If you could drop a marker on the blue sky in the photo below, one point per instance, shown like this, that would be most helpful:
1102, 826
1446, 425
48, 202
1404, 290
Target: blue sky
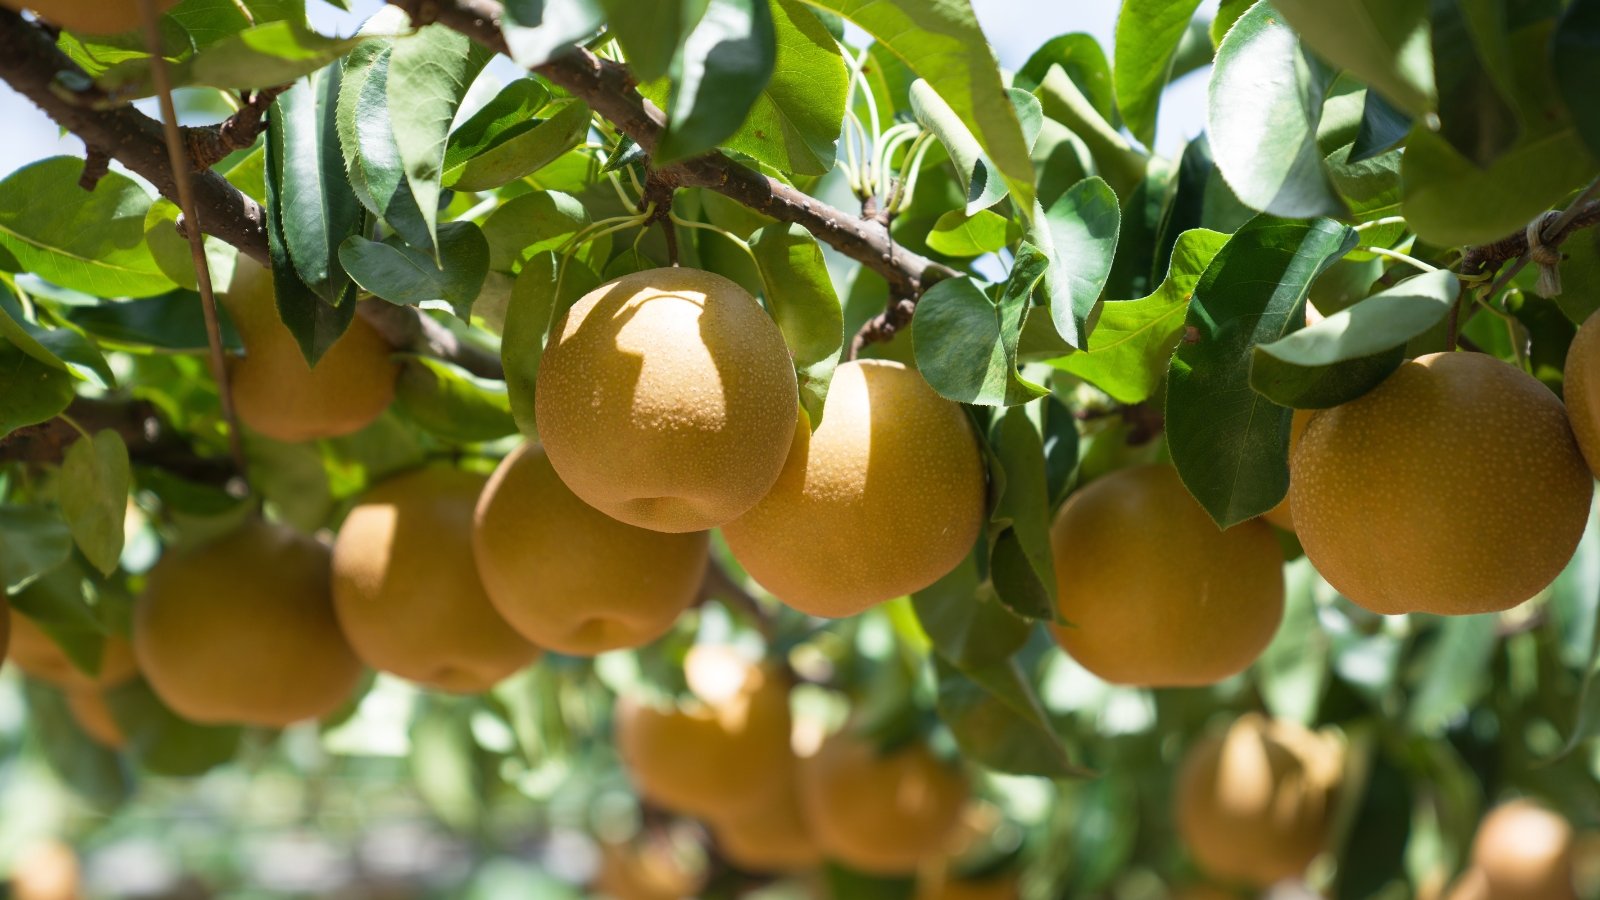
1014, 27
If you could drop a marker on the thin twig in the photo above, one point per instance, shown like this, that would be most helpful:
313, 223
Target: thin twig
180, 164
719, 585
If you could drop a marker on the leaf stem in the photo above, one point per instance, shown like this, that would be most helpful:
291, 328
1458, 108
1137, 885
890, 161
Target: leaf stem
704, 226
1397, 256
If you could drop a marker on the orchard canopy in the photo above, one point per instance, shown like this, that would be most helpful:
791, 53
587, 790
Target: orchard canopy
800, 449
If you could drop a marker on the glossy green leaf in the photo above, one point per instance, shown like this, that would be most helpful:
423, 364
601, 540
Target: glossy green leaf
529, 225
537, 30
511, 112
794, 123
62, 347
980, 180
93, 493
942, 43
402, 274
1352, 351
650, 32
523, 152
717, 75
33, 541
316, 207
1230, 444
1382, 42
453, 403
1129, 349
162, 741
58, 603
172, 321
1200, 198
1383, 127
90, 241
371, 156
1264, 105
1148, 32
960, 235
1078, 234
429, 73
543, 290
966, 627
1455, 673
30, 391
798, 291
1117, 161
1471, 62
1575, 55
263, 56
998, 722
966, 343
1021, 565
1083, 60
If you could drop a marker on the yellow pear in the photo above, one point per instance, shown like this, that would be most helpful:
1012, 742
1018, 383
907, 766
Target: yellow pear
277, 394
242, 629
571, 578
723, 753
1254, 802
1454, 487
1581, 390
1152, 592
1523, 852
885, 498
36, 653
948, 886
772, 837
89, 16
1282, 515
46, 870
93, 714
407, 589
666, 399
880, 811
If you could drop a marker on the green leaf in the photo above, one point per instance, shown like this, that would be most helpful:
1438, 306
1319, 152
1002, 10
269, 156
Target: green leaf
402, 274
1200, 199
529, 225
998, 722
1021, 566
172, 321
90, 770
30, 391
1575, 56
510, 113
980, 181
717, 75
62, 348
1129, 349
523, 152
1148, 32
453, 403
798, 291
1455, 673
966, 627
794, 123
1382, 128
650, 32
966, 343
543, 290
960, 235
33, 541
163, 742
266, 55
1382, 42
1471, 63
1575, 609
1117, 161
371, 156
1352, 351
1293, 671
316, 207
90, 241
537, 30
93, 493
1083, 60
1079, 236
1264, 107
429, 72
943, 44
1229, 443
59, 605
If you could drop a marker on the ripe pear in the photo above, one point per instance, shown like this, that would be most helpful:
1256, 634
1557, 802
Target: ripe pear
950, 887
242, 630
277, 394
772, 837
726, 752
93, 714
1581, 390
1282, 515
1152, 592
89, 16
36, 653
1454, 487
571, 578
666, 399
882, 812
1254, 802
884, 499
407, 590
1523, 852
46, 870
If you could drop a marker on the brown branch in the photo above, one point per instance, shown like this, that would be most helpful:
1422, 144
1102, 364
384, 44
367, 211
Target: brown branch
150, 439
210, 144
1483, 257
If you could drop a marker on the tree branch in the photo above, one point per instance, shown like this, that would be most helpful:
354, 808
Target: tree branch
151, 441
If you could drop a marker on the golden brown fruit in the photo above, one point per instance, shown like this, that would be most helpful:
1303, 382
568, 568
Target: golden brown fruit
1203, 892
406, 586
1454, 487
718, 756
772, 837
882, 813
1254, 801
1581, 390
37, 654
94, 716
1524, 852
571, 578
242, 629
89, 16
277, 394
947, 887
647, 870
1282, 515
1154, 593
47, 870
885, 498
666, 399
